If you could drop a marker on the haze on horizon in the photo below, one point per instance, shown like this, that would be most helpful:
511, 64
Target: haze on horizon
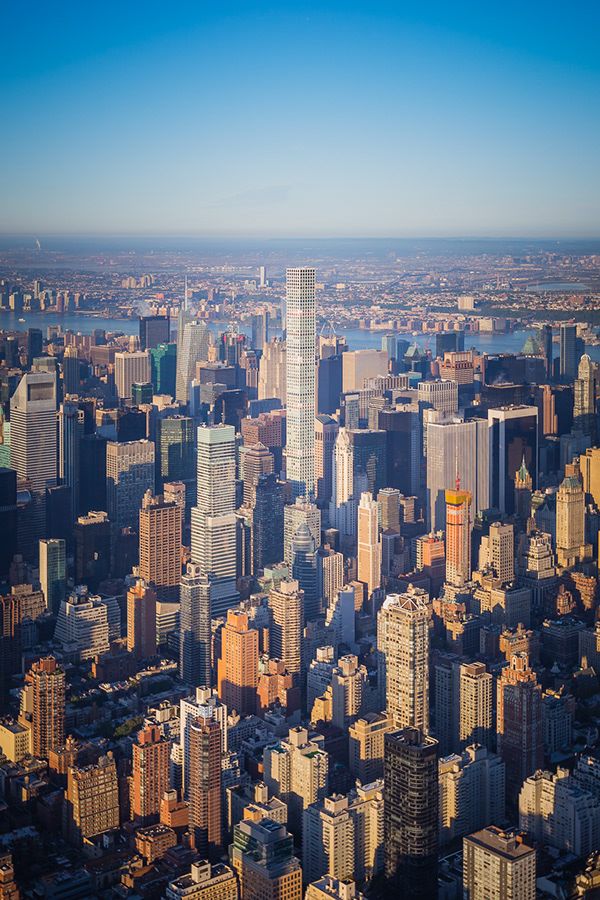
311, 119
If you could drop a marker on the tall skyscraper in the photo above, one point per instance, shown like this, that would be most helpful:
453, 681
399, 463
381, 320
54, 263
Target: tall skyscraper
286, 605
267, 522
141, 620
255, 461
519, 722
513, 438
163, 368
260, 329
154, 330
497, 552
237, 667
458, 536
369, 544
129, 474
570, 522
359, 464
453, 447
206, 826
297, 771
584, 407
272, 371
8, 518
70, 432
46, 679
33, 450
151, 756
403, 651
53, 572
300, 379
195, 633
160, 545
192, 347
176, 449
568, 352
296, 514
547, 350
328, 840
214, 543
472, 792
92, 802
411, 796
304, 570
130, 368
326, 432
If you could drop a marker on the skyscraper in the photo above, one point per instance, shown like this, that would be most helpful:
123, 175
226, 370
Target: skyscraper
369, 544
154, 330
70, 432
498, 864
304, 570
129, 474
403, 652
267, 522
458, 536
519, 722
214, 542
568, 352
47, 682
160, 545
262, 854
141, 620
300, 379
286, 605
53, 572
150, 764
195, 634
411, 796
570, 522
192, 347
237, 667
163, 368
131, 367
71, 369
255, 461
272, 371
475, 722
326, 431
260, 329
92, 803
456, 447
33, 450
206, 826
584, 407
513, 438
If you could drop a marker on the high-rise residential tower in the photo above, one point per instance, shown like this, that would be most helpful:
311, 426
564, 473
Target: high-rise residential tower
519, 722
452, 447
195, 634
584, 406
150, 764
47, 681
300, 379
458, 536
214, 543
160, 545
206, 826
369, 544
53, 571
237, 668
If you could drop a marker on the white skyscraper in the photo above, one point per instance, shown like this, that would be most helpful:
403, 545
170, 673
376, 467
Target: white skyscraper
33, 450
369, 545
131, 368
456, 448
300, 379
213, 517
191, 348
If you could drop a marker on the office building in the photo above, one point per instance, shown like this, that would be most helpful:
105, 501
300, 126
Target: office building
456, 448
92, 799
195, 634
154, 331
369, 544
568, 352
286, 605
70, 432
129, 474
46, 682
475, 722
267, 522
584, 408
237, 667
330, 574
86, 624
326, 432
163, 369
513, 438
571, 546
296, 770
300, 380
471, 792
403, 658
131, 367
404, 447
272, 371
176, 449
358, 366
206, 826
411, 796
71, 371
519, 721
192, 348
302, 512
92, 548
150, 765
53, 571
499, 865
33, 451
262, 854
304, 571
160, 546
214, 541
359, 464
260, 329
255, 461
458, 536
141, 620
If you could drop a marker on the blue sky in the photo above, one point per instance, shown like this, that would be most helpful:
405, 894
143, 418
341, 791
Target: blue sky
391, 119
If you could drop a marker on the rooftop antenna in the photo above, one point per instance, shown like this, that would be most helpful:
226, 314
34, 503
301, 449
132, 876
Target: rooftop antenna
185, 292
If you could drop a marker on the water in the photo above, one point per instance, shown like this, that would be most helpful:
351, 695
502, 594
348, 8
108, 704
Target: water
559, 287
358, 338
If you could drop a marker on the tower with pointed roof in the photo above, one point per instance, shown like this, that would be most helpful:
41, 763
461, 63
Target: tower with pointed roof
523, 489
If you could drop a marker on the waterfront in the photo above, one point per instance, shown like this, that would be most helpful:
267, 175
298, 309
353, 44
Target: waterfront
358, 338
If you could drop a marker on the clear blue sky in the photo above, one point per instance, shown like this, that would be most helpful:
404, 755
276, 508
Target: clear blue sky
399, 119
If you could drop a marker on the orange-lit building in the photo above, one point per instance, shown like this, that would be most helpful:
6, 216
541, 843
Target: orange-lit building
458, 536
141, 620
206, 827
150, 780
237, 667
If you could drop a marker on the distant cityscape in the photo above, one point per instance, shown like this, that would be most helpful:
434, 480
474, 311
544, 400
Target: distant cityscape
299, 589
